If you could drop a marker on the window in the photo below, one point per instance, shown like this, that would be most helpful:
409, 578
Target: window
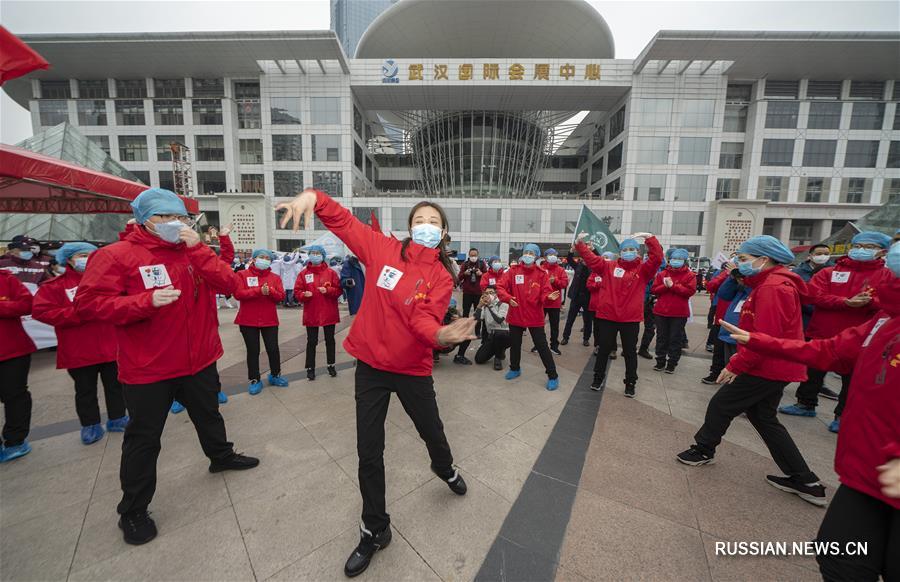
210, 182
246, 90
738, 93
823, 90
357, 122
168, 88
325, 110
774, 188
251, 151
285, 111
801, 231
837, 225
612, 218
168, 112
288, 183
485, 220
867, 89
287, 148
326, 148
614, 159
824, 116
777, 152
819, 153
597, 169
654, 112
687, 223
253, 183
131, 88
698, 112
782, 114
53, 112
102, 141
690, 188
98, 89
613, 190
652, 150
210, 148
650, 187
357, 156
816, 189
56, 90
646, 221
208, 87
91, 112
727, 188
892, 191
207, 111
249, 116
525, 220
861, 154
164, 146
143, 176
867, 116
855, 190
617, 123
694, 151
893, 159
167, 180
562, 221
133, 148
771, 226
599, 138
732, 155
896, 125
735, 119
329, 182
788, 89
130, 112
486, 249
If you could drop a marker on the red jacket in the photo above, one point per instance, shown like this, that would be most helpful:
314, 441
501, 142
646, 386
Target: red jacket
773, 307
491, 279
674, 301
15, 301
712, 286
870, 431
595, 288
157, 344
404, 301
258, 310
322, 308
529, 286
466, 270
559, 283
30, 271
832, 285
622, 299
226, 249
80, 342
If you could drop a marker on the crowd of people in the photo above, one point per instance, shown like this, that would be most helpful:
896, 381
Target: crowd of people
141, 316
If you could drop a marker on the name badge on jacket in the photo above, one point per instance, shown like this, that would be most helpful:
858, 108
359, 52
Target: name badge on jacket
309, 277
598, 279
155, 276
619, 272
389, 278
520, 279
70, 293
840, 276
492, 281
252, 281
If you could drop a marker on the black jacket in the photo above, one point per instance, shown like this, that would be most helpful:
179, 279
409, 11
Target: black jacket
578, 289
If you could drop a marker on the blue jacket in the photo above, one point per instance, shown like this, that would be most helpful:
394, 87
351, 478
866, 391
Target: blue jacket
352, 271
732, 291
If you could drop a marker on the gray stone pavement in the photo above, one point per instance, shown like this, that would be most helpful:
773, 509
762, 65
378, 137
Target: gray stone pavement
633, 513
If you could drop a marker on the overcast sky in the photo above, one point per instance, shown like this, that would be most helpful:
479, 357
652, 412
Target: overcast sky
633, 22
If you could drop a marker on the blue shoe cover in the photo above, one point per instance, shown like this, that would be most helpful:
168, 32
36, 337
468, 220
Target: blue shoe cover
552, 384
223, 398
835, 425
255, 387
797, 410
177, 407
513, 374
279, 381
117, 424
91, 434
11, 453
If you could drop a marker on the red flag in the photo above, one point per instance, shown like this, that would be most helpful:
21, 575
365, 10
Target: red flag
373, 222
16, 57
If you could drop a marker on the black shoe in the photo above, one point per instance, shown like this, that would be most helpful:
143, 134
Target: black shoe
814, 493
368, 544
826, 392
564, 341
710, 347
660, 366
310, 374
711, 379
498, 364
235, 462
455, 482
694, 456
458, 359
137, 527
436, 357
629, 390
332, 372
670, 369
613, 356
586, 343
596, 351
556, 351
534, 350
645, 354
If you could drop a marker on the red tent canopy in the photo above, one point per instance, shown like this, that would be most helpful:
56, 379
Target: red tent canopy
16, 57
38, 184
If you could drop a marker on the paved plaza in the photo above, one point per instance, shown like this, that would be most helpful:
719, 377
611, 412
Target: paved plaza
565, 485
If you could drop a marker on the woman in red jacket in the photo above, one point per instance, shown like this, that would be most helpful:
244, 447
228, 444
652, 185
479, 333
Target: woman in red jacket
526, 288
866, 507
259, 292
673, 287
559, 280
86, 349
620, 308
318, 288
392, 337
753, 384
15, 360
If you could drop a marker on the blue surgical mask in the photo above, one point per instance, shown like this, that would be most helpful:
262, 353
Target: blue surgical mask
677, 263
168, 231
427, 235
496, 265
26, 255
61, 270
262, 264
629, 255
892, 261
747, 269
80, 263
528, 259
862, 254
316, 259
552, 259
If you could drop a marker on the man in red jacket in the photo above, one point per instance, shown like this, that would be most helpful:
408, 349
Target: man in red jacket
673, 287
15, 360
753, 384
559, 280
158, 288
471, 272
22, 262
620, 307
844, 296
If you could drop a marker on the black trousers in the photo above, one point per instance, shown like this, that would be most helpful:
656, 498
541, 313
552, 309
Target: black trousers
312, 340
808, 391
669, 339
576, 306
471, 300
649, 326
16, 399
86, 404
539, 337
251, 341
373, 395
728, 350
856, 517
605, 332
148, 405
553, 318
492, 346
718, 358
759, 398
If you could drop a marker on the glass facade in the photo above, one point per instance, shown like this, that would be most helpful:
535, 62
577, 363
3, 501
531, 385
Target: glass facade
288, 183
325, 110
329, 182
287, 148
91, 112
777, 152
168, 111
652, 150
53, 112
694, 151
285, 111
164, 146
650, 187
133, 148
690, 188
819, 153
326, 148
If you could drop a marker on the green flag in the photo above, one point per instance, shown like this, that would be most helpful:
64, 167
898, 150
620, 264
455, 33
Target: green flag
598, 232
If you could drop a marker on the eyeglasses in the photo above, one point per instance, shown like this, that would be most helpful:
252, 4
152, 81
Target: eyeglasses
869, 246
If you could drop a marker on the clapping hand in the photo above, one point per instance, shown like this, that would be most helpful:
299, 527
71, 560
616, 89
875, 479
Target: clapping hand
322, 290
459, 331
859, 300
553, 296
667, 281
165, 296
265, 289
307, 293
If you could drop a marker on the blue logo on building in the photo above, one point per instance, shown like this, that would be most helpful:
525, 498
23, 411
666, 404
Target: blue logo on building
390, 72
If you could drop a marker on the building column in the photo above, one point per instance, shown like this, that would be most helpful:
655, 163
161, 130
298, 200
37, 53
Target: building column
784, 230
